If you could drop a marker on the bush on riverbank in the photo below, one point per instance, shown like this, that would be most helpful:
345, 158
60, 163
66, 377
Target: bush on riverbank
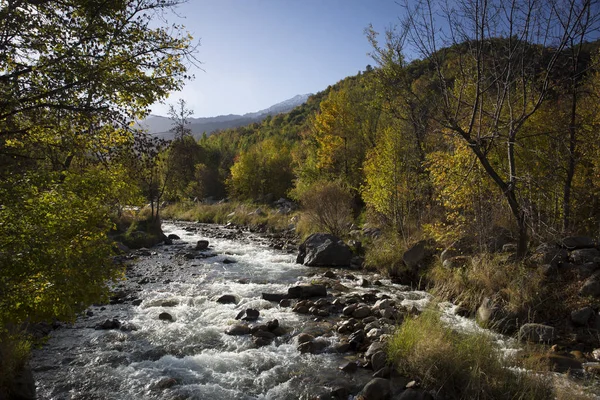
459, 366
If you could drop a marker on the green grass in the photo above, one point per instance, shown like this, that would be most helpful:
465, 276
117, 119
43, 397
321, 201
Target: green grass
459, 366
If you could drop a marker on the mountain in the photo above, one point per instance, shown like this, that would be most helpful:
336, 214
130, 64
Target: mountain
160, 126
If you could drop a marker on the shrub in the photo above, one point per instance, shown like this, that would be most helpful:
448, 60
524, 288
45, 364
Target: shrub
458, 365
327, 208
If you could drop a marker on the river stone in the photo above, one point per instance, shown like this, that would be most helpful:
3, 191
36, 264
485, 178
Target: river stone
536, 333
414, 256
248, 314
577, 242
356, 339
586, 270
264, 334
313, 347
323, 250
348, 310
261, 341
582, 316
164, 383
582, 256
374, 348
384, 303
591, 287
285, 303
376, 389
361, 312
486, 312
227, 299
384, 372
201, 245
307, 291
277, 297
238, 329
329, 274
349, 367
173, 236
388, 313
165, 316
304, 338
272, 324
378, 360
109, 324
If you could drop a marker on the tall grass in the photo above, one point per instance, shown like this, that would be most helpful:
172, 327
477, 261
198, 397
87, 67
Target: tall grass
518, 288
234, 212
384, 254
459, 366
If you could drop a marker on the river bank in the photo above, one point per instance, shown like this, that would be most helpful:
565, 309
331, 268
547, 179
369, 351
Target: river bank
167, 333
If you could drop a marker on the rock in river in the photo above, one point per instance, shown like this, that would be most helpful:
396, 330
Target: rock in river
323, 249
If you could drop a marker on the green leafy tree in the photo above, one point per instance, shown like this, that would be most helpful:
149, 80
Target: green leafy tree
73, 75
265, 169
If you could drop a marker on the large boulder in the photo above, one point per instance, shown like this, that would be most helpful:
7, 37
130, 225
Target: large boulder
323, 250
577, 242
416, 255
581, 316
307, 291
376, 389
582, 256
591, 287
550, 254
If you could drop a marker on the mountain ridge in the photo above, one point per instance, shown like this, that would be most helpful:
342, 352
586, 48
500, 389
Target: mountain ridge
160, 126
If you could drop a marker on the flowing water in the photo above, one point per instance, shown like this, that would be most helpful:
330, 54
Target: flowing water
191, 357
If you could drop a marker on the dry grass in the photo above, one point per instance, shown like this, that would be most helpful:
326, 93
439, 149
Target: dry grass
518, 289
230, 212
459, 366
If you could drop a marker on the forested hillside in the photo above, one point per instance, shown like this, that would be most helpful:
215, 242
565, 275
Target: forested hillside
415, 160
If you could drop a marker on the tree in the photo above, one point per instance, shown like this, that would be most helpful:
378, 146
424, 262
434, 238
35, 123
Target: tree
343, 130
73, 74
265, 169
495, 74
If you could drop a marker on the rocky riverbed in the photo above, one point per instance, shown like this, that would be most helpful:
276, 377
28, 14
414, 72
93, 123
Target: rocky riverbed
221, 313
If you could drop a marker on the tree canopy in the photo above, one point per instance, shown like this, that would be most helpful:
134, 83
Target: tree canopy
73, 75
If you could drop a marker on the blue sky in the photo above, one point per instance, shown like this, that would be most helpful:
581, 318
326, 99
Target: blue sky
256, 53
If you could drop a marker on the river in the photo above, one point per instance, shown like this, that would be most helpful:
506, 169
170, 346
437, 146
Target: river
191, 357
